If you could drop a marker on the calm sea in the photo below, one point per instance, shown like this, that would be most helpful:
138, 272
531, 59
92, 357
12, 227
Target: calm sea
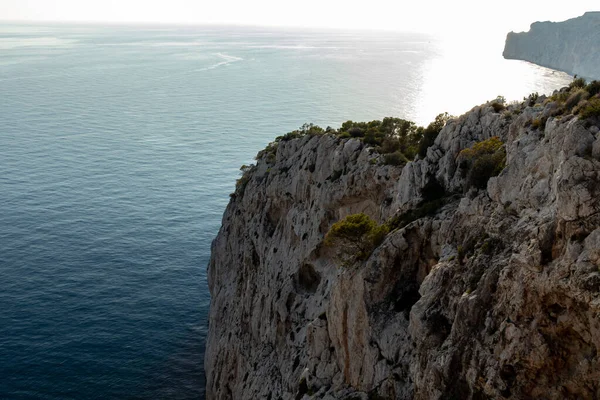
119, 147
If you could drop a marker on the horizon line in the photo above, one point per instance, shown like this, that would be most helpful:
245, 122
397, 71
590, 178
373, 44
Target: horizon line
206, 23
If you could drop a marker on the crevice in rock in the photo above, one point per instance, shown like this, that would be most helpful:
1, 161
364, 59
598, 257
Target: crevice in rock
307, 278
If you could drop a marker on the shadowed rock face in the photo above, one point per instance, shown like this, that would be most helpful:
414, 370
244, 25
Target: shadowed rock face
496, 295
572, 46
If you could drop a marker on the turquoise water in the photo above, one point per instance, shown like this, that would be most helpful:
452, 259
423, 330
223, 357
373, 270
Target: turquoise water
119, 147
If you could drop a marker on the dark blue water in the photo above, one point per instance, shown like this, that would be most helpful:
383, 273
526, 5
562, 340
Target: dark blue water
118, 150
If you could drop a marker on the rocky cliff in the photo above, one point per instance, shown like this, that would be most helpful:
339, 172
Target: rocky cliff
572, 46
493, 293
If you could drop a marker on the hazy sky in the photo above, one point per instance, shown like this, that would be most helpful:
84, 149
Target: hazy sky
471, 16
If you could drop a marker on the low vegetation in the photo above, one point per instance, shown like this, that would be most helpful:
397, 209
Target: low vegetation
590, 109
356, 236
499, 104
579, 98
397, 139
242, 182
482, 161
539, 123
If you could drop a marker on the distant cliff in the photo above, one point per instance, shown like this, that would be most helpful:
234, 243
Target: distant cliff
572, 46
480, 287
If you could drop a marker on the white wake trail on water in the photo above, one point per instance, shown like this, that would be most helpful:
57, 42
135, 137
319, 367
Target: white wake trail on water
227, 59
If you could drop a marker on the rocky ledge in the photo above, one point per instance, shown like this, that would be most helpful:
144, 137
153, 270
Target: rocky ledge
485, 290
572, 46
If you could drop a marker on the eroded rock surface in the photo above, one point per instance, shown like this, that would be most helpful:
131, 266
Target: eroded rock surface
495, 295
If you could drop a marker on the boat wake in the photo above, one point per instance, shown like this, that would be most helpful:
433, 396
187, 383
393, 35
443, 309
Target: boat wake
227, 59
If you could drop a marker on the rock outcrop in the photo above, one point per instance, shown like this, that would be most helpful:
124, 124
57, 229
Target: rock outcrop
572, 46
495, 294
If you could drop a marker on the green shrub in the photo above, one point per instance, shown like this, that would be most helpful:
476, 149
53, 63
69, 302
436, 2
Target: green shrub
389, 145
593, 88
572, 95
575, 98
356, 132
578, 83
532, 99
561, 96
357, 235
498, 106
488, 146
590, 109
395, 135
304, 130
242, 182
400, 138
396, 158
539, 123
269, 153
482, 161
432, 131
289, 136
487, 166
354, 129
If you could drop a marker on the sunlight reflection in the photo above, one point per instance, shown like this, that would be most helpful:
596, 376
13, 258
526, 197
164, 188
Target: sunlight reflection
465, 75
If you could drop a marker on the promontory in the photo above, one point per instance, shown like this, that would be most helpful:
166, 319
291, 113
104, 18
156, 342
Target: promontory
382, 260
572, 46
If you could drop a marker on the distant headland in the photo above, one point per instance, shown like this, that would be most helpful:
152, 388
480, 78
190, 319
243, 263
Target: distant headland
572, 46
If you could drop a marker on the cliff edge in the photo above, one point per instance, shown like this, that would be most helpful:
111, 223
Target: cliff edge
572, 46
479, 288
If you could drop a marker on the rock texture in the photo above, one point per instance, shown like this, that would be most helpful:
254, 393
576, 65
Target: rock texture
496, 295
572, 46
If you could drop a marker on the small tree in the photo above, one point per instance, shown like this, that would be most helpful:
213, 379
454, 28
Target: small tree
357, 236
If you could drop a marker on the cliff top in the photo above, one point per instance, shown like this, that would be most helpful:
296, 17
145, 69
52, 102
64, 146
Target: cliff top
587, 16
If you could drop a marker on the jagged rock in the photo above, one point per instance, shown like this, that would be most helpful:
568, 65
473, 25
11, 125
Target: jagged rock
494, 295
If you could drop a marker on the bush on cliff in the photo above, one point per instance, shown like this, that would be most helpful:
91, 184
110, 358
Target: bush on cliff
499, 104
572, 99
396, 158
396, 136
577, 83
269, 153
398, 139
357, 236
431, 132
531, 99
575, 98
482, 161
590, 109
242, 182
539, 123
304, 130
593, 88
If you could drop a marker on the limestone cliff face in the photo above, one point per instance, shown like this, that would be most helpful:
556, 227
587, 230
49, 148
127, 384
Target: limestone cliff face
572, 46
495, 295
